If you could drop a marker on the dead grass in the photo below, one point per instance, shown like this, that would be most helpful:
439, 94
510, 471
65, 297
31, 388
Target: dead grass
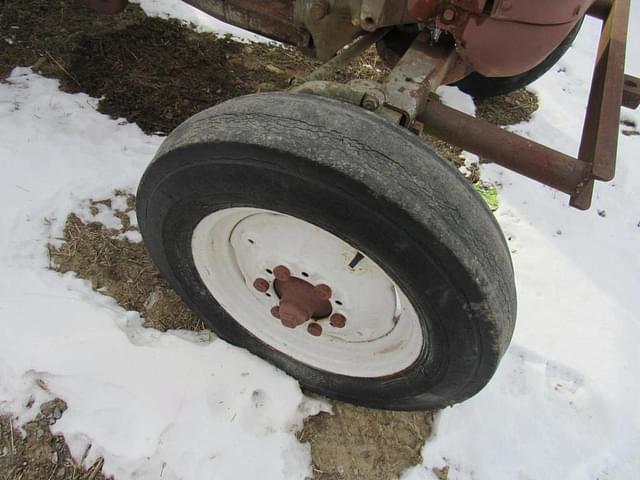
510, 109
151, 71
121, 269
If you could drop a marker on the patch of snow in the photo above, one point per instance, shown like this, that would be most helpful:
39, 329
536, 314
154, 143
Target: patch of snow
453, 98
174, 405
119, 203
103, 214
133, 219
132, 236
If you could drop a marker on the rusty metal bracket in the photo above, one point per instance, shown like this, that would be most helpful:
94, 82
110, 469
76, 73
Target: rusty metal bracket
419, 72
599, 143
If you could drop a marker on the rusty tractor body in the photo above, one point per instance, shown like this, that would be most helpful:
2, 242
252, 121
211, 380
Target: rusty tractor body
450, 40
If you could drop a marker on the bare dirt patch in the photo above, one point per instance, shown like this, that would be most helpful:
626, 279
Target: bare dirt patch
360, 443
150, 71
34, 453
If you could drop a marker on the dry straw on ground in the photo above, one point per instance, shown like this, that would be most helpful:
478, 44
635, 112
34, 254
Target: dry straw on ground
121, 269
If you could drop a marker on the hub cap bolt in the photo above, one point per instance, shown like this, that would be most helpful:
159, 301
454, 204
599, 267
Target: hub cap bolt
281, 273
261, 285
291, 315
314, 329
323, 291
275, 311
338, 320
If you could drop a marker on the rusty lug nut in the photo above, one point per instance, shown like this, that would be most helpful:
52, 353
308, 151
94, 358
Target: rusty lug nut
275, 311
449, 15
338, 320
371, 103
323, 291
314, 329
281, 273
261, 285
291, 315
319, 9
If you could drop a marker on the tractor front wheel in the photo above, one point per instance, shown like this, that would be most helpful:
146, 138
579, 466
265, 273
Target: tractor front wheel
334, 245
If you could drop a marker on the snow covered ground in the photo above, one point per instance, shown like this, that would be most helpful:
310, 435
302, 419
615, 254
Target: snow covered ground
563, 404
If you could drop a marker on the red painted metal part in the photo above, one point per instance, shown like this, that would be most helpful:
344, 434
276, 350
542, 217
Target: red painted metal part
541, 12
513, 37
496, 48
597, 154
338, 320
423, 10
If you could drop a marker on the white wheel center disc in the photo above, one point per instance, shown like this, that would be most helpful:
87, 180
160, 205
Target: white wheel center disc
235, 246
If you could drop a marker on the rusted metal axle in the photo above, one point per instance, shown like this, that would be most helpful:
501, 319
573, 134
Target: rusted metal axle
496, 145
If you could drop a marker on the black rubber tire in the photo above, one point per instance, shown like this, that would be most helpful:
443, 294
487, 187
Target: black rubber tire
479, 86
374, 185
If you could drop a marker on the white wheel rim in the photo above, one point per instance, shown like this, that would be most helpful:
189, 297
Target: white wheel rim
234, 246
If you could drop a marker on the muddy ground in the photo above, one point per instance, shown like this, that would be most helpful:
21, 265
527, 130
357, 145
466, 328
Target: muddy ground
157, 73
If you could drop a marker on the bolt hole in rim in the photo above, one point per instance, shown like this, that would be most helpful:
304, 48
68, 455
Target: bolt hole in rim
382, 335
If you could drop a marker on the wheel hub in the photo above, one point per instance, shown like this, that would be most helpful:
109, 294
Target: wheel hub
300, 300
